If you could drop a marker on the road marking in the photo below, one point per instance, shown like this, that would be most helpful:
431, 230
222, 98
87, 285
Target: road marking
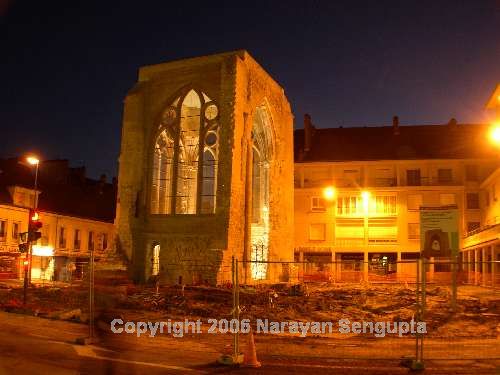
293, 365
88, 351
49, 339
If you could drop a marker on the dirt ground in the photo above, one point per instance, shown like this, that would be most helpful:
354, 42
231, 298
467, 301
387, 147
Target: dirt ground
477, 315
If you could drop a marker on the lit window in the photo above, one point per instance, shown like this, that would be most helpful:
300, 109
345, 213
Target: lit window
350, 205
155, 266
184, 179
318, 204
358, 206
385, 205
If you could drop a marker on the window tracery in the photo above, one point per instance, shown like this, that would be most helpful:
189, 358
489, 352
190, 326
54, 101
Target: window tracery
185, 160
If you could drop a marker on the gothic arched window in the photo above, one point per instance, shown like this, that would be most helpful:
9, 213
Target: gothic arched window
184, 178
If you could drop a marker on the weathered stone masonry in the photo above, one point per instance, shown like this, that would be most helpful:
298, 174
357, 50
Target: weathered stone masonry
255, 130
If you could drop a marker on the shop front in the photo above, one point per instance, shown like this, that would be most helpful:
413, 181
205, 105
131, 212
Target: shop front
42, 263
9, 265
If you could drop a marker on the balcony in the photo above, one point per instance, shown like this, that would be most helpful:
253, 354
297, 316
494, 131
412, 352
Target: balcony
383, 182
482, 235
432, 181
377, 182
338, 182
349, 242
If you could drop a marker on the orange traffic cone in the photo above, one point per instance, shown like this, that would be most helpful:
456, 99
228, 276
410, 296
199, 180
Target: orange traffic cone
250, 359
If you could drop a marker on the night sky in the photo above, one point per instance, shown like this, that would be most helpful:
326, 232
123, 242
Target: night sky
66, 66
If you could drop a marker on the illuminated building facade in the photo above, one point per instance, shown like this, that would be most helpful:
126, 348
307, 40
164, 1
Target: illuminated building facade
77, 215
205, 171
482, 244
378, 177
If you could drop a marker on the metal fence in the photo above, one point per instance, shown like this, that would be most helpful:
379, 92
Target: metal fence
458, 302
370, 305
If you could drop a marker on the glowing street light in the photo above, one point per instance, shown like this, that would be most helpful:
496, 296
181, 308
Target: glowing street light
329, 193
366, 199
32, 160
365, 195
495, 134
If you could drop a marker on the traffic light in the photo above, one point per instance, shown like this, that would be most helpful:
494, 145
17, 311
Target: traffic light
24, 247
34, 226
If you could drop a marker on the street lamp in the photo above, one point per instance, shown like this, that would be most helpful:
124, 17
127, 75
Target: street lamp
329, 193
366, 199
32, 160
495, 134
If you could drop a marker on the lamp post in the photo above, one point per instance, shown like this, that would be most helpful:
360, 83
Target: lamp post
365, 196
32, 160
329, 194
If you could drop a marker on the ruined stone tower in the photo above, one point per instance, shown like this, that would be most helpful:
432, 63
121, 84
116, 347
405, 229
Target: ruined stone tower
206, 171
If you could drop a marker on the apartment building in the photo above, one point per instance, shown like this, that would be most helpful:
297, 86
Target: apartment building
481, 246
358, 191
77, 215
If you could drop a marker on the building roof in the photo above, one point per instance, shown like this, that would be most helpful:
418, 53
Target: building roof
450, 141
494, 100
63, 190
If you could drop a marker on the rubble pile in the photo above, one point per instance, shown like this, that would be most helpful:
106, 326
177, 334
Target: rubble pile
281, 302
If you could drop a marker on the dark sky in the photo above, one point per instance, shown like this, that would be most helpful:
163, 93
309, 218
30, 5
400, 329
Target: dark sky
66, 66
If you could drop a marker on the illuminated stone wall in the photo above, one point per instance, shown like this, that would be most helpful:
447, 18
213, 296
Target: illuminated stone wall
198, 247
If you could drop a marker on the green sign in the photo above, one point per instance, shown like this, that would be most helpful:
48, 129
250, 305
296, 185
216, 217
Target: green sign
439, 231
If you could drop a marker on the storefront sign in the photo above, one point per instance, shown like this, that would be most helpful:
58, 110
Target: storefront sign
9, 249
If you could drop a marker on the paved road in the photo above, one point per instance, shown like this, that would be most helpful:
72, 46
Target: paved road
30, 345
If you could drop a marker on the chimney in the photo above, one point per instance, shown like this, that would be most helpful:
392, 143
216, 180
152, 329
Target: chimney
395, 125
308, 132
102, 179
452, 124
